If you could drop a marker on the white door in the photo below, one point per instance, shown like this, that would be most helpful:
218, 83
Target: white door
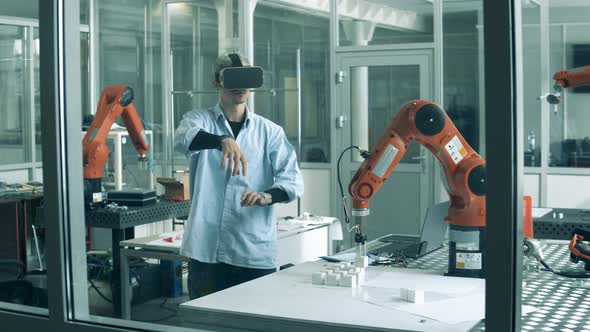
373, 86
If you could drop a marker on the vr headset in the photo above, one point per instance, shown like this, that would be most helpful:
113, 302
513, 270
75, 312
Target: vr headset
238, 76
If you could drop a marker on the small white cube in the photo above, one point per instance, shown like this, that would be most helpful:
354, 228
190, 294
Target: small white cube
318, 278
354, 270
348, 280
361, 276
361, 262
403, 294
416, 296
333, 279
343, 266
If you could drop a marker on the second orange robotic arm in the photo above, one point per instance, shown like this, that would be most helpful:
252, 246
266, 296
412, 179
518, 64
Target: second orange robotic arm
114, 101
573, 77
428, 124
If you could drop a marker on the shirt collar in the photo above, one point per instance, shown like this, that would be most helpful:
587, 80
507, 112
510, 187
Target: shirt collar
219, 114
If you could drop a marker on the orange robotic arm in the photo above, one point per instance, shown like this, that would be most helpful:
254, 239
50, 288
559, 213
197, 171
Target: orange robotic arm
114, 101
573, 77
569, 78
429, 125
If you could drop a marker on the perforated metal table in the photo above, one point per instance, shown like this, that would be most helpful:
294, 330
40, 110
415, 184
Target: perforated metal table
551, 226
122, 222
561, 306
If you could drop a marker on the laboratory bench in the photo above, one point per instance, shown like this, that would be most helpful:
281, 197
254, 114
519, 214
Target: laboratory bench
287, 301
294, 246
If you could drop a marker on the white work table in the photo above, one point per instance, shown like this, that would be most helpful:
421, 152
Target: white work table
294, 246
288, 301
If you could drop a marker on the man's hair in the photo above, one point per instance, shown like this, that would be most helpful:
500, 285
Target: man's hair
224, 61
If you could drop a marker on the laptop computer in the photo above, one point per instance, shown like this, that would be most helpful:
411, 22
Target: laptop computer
431, 236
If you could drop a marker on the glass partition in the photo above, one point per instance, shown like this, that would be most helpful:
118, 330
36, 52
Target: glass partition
534, 84
194, 46
463, 91
290, 43
15, 103
23, 266
568, 49
164, 50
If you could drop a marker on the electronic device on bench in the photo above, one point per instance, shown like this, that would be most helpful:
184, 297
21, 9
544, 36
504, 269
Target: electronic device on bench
133, 197
431, 237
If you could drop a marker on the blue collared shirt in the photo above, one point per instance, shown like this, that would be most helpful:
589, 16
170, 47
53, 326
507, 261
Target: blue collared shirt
218, 228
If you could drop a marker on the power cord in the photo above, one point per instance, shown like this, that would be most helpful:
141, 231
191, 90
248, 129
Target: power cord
365, 154
532, 248
99, 292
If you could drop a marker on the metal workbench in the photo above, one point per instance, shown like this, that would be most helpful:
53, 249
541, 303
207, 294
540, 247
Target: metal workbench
561, 306
121, 222
551, 226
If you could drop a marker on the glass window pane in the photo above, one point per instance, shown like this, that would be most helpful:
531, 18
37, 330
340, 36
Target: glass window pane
14, 103
570, 48
194, 47
126, 57
463, 69
23, 268
380, 22
280, 34
531, 36
386, 95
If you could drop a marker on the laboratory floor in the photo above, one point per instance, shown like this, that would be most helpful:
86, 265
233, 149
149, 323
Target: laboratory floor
159, 310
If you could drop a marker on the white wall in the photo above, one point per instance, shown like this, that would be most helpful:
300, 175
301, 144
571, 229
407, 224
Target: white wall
14, 176
316, 198
532, 187
568, 191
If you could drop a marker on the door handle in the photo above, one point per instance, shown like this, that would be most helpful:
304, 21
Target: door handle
419, 158
340, 121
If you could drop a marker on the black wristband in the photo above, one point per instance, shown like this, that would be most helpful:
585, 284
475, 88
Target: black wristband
278, 195
204, 141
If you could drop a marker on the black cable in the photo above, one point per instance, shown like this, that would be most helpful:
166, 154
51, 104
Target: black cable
346, 217
99, 292
567, 274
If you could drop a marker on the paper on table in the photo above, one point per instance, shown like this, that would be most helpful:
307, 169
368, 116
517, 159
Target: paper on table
540, 212
450, 300
452, 311
438, 305
286, 226
423, 280
168, 239
163, 243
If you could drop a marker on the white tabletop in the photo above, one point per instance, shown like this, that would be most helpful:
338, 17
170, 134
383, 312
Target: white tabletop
147, 242
289, 295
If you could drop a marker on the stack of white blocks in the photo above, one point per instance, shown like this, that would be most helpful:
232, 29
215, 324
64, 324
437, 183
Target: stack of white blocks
413, 295
342, 274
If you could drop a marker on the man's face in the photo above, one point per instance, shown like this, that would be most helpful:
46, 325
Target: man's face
233, 97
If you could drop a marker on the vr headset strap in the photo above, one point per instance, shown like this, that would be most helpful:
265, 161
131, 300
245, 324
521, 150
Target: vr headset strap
235, 60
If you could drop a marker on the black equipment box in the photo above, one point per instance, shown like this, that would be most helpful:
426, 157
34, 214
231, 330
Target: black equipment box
133, 197
559, 224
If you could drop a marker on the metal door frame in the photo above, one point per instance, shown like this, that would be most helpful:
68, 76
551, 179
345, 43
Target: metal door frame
424, 57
